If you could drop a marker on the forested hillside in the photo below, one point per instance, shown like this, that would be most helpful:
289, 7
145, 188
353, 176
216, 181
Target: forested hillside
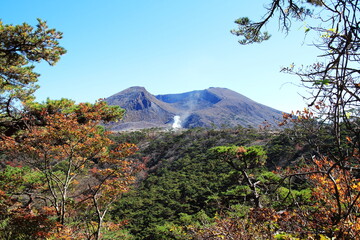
185, 181
188, 184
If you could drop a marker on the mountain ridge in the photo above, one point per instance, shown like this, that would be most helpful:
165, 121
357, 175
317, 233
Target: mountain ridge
212, 107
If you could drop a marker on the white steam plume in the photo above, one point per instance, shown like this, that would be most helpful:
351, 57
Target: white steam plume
177, 122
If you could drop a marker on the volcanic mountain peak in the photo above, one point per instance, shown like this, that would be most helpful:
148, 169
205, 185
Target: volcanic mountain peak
200, 108
136, 98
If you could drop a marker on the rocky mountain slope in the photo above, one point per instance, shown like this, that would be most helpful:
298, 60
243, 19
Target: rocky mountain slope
212, 107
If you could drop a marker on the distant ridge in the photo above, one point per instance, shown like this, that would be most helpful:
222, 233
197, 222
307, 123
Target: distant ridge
212, 107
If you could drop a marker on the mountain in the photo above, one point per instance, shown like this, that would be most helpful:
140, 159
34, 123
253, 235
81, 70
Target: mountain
219, 107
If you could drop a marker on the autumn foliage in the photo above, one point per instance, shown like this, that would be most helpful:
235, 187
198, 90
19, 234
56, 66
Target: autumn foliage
81, 168
335, 202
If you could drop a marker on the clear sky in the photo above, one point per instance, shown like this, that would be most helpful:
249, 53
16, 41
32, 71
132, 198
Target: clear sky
166, 46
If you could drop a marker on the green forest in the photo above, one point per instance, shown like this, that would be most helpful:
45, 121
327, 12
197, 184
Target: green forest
64, 176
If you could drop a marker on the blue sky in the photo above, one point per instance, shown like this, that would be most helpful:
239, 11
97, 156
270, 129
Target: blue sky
166, 46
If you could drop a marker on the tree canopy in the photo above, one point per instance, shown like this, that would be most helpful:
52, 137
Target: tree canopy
20, 47
60, 171
333, 84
